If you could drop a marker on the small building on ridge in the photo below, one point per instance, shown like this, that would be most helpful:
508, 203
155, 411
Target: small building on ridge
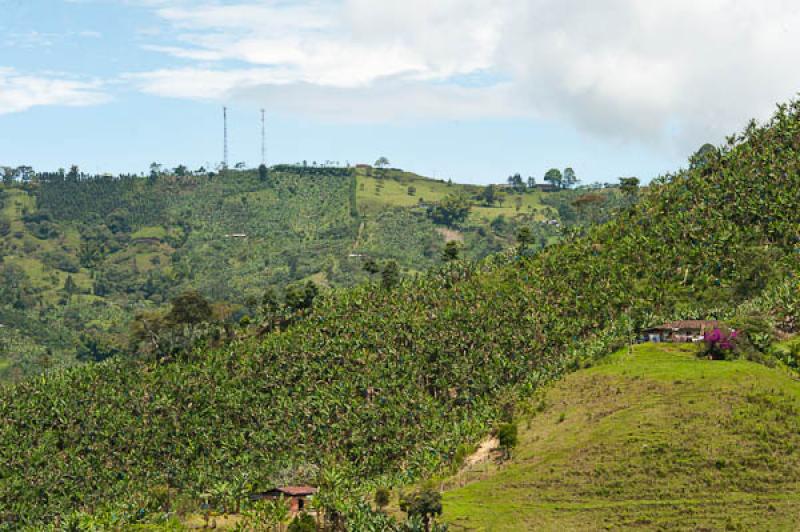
298, 497
679, 331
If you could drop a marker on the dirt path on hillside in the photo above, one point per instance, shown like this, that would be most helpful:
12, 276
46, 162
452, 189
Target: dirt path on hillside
358, 238
483, 452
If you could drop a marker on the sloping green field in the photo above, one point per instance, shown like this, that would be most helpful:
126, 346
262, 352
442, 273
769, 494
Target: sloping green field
656, 439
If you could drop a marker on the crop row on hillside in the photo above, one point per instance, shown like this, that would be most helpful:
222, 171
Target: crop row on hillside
383, 385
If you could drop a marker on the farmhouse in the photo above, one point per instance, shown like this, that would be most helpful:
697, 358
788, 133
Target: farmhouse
297, 496
679, 331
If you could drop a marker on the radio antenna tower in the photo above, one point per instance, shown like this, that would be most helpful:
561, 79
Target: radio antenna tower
225, 137
263, 141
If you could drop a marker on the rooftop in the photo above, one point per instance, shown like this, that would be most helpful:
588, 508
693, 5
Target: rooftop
685, 324
295, 491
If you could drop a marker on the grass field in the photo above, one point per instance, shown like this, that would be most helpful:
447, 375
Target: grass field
375, 194
655, 439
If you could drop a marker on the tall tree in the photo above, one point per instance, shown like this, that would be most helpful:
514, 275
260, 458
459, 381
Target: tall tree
554, 177
8, 176
516, 182
425, 504
155, 171
629, 186
70, 287
524, 238
569, 178
73, 173
450, 211
702, 156
190, 308
489, 195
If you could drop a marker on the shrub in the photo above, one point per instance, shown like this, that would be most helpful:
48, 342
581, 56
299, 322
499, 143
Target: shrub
425, 504
382, 497
508, 434
719, 343
303, 523
755, 335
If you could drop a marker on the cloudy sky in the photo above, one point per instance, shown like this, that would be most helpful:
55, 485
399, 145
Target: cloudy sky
472, 90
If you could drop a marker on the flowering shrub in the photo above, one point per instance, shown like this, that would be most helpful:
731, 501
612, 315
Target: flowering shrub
719, 343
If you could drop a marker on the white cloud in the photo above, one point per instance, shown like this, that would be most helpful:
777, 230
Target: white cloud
683, 71
20, 92
686, 70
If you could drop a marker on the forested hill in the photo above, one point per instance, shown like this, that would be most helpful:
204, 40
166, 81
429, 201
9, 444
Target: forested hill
383, 384
81, 256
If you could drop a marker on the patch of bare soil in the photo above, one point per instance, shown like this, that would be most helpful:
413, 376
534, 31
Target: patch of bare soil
450, 235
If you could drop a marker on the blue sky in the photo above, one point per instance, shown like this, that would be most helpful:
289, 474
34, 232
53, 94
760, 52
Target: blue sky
472, 90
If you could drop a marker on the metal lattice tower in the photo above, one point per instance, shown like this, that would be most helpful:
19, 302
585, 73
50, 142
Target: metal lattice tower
263, 141
225, 137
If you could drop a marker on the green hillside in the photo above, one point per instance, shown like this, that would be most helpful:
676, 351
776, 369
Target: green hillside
383, 384
654, 439
80, 257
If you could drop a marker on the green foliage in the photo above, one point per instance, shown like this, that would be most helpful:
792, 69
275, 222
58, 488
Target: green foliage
451, 211
554, 177
390, 276
382, 497
490, 195
303, 523
570, 179
629, 186
189, 308
371, 266
385, 385
507, 434
524, 238
451, 251
133, 244
425, 504
301, 296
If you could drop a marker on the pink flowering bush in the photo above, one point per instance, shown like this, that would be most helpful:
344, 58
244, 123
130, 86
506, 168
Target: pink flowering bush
719, 343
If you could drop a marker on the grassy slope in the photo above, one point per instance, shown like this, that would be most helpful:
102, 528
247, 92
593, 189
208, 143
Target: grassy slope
394, 193
654, 439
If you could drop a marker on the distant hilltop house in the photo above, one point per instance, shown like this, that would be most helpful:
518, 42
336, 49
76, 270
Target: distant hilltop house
546, 187
679, 331
297, 496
